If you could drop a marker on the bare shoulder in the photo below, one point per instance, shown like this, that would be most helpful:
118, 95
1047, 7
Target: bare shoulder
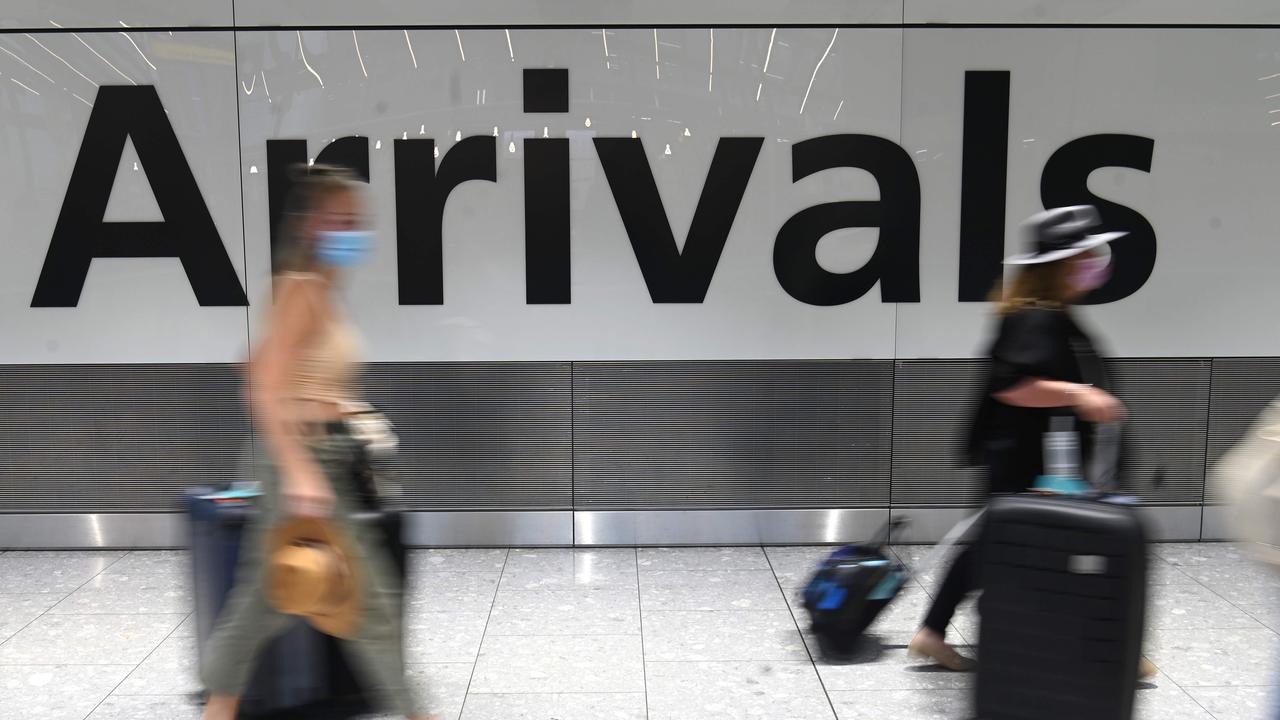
299, 299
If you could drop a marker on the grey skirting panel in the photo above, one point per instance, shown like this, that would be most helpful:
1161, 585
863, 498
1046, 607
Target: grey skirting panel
1168, 403
597, 438
932, 403
116, 438
666, 435
1242, 387
479, 435
527, 528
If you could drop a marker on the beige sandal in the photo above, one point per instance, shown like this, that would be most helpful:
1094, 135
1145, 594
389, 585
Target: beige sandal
927, 644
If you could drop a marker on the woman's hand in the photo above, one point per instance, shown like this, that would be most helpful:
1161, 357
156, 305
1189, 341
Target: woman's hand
1097, 406
307, 492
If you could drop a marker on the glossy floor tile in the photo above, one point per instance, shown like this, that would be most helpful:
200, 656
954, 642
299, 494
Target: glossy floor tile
732, 690
88, 639
936, 704
137, 592
16, 611
711, 590
561, 706
51, 572
618, 634
702, 558
565, 612
136, 707
57, 692
566, 569
576, 663
451, 591
725, 635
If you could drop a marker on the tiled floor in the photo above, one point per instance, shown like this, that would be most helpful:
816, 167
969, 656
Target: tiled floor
662, 634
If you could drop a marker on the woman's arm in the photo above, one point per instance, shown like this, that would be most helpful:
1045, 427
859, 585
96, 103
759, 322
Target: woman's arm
294, 319
1089, 402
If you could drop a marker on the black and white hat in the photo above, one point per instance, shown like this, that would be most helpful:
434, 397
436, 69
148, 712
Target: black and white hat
1059, 233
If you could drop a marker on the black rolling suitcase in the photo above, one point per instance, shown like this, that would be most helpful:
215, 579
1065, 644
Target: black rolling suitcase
1064, 594
301, 674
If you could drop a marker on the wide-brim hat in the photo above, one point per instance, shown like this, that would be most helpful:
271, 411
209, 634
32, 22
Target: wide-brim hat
1060, 233
313, 572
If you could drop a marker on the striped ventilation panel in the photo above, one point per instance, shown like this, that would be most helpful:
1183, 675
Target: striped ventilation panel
932, 402
677, 435
634, 435
1242, 387
116, 438
479, 436
1168, 402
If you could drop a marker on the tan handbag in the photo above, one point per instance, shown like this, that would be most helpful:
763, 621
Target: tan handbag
1248, 479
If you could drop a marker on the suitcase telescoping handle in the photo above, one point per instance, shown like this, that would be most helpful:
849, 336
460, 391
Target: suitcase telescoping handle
1103, 466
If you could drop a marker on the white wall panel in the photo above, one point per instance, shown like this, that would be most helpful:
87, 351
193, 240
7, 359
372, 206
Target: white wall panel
44, 14
130, 310
1093, 11
447, 13
1203, 96
1207, 98
746, 313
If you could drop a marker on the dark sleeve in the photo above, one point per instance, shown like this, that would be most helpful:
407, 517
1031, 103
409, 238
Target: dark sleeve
1029, 345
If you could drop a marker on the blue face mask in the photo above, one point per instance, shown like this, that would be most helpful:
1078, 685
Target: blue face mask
343, 248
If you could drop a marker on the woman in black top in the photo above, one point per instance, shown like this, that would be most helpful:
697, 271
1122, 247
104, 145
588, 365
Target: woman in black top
1042, 365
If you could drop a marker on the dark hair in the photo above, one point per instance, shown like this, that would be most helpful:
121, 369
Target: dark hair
312, 184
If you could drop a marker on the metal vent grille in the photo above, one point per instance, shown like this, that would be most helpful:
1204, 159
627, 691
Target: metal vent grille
732, 434
1168, 403
932, 404
479, 435
1242, 387
116, 438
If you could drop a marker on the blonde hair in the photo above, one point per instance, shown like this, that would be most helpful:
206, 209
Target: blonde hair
312, 185
1044, 285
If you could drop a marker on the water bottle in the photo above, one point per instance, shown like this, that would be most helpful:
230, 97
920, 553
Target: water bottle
1061, 458
1062, 449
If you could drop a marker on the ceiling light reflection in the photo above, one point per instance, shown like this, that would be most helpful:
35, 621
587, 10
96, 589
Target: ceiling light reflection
815, 69
304, 60
29, 67
412, 56
135, 47
359, 57
64, 62
108, 62
24, 86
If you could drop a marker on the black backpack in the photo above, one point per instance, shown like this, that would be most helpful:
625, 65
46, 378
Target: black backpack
849, 589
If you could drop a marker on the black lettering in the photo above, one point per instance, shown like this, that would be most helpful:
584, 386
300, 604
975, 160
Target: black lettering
1065, 181
546, 90
187, 232
421, 193
673, 275
546, 221
896, 261
984, 182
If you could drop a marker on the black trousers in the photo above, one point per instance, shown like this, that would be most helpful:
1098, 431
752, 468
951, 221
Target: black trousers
961, 579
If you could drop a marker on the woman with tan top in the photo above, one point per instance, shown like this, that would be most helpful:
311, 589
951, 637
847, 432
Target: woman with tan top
301, 380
